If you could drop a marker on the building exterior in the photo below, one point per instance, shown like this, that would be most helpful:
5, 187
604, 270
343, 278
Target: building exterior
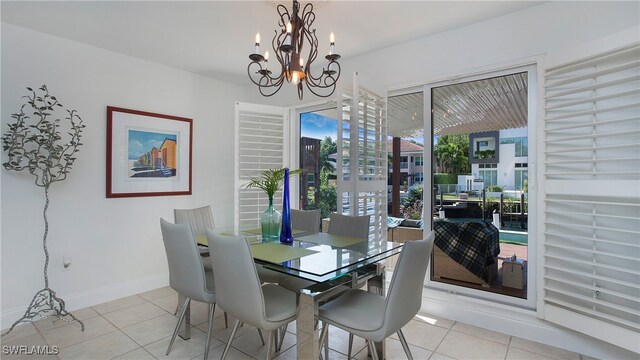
168, 151
498, 158
411, 162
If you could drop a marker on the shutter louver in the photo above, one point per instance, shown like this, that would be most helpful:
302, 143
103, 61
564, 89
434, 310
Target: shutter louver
592, 196
260, 145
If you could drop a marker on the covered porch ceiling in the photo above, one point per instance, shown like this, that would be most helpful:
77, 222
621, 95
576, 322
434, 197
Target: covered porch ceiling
476, 106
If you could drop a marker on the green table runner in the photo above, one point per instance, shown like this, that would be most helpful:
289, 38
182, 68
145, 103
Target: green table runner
331, 240
276, 253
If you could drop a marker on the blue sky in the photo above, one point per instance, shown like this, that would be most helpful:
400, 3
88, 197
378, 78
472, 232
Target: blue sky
141, 142
317, 126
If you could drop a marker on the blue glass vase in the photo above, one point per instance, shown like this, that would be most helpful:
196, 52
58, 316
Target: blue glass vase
270, 223
286, 237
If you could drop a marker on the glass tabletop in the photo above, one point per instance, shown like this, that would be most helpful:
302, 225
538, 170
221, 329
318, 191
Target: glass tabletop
327, 262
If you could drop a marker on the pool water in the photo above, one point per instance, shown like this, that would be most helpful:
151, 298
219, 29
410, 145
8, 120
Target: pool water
512, 236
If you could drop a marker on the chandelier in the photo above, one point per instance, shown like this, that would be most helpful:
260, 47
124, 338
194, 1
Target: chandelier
294, 64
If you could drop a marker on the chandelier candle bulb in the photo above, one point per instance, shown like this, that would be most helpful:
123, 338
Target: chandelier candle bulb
287, 38
257, 51
266, 59
332, 47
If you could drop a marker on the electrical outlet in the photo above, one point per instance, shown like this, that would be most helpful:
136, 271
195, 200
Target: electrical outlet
66, 263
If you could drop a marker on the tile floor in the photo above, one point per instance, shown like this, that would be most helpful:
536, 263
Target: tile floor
140, 326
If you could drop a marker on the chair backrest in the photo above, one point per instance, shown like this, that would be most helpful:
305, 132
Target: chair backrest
200, 219
186, 274
405, 292
238, 289
356, 226
307, 220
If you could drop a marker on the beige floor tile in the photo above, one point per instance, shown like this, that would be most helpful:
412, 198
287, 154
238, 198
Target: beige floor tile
53, 322
221, 333
434, 320
86, 313
291, 354
28, 347
158, 293
200, 312
436, 356
542, 349
20, 331
216, 353
517, 354
339, 341
182, 349
106, 346
134, 314
118, 304
71, 334
251, 345
138, 354
463, 346
481, 333
394, 350
422, 334
148, 331
585, 357
168, 303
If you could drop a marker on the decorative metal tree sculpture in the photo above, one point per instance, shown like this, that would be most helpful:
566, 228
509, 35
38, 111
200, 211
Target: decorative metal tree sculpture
35, 143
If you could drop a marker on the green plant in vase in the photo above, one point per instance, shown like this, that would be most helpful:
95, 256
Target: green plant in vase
270, 181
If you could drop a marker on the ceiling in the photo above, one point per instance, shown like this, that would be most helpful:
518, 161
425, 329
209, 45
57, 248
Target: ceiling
214, 38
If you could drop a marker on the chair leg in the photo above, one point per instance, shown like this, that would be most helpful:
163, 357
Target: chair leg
183, 311
261, 337
276, 339
226, 321
284, 332
405, 346
231, 336
212, 309
270, 340
372, 350
350, 346
324, 337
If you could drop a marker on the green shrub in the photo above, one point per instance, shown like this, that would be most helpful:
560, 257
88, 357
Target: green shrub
445, 179
494, 188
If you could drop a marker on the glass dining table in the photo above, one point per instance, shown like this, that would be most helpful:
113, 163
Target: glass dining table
330, 263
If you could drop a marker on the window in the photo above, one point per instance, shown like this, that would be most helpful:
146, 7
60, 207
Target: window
489, 177
418, 161
418, 177
521, 175
520, 142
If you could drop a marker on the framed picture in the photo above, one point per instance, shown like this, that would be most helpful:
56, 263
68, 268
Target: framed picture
147, 154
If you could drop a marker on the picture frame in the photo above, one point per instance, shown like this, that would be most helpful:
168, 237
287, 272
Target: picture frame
148, 154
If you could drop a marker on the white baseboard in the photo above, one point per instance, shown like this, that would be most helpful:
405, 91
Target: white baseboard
517, 322
95, 296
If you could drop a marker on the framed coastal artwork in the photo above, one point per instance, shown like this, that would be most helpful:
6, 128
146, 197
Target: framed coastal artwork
148, 154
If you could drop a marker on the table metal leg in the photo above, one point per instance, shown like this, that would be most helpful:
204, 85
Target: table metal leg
380, 346
307, 337
185, 333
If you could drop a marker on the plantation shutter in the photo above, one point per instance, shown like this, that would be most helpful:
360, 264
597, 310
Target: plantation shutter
262, 137
592, 196
362, 157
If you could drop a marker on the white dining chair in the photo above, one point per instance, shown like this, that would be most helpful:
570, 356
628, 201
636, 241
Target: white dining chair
199, 219
306, 220
186, 274
374, 317
346, 225
267, 307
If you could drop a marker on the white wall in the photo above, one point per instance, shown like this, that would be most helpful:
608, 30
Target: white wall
115, 244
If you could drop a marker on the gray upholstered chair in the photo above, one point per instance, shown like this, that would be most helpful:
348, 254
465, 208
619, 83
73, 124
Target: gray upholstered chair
186, 274
345, 225
267, 307
374, 317
200, 219
306, 220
